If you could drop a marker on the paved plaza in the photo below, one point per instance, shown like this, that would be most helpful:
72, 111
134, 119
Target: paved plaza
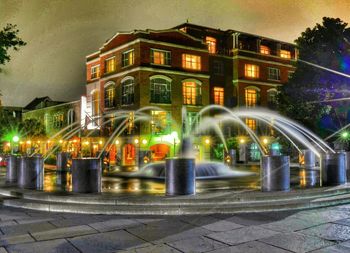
320, 230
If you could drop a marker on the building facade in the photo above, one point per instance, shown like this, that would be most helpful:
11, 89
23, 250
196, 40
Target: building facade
54, 118
187, 66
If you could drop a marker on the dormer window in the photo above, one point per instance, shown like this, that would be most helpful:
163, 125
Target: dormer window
211, 42
285, 54
264, 50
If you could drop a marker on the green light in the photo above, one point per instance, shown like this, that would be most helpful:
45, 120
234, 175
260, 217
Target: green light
15, 138
345, 134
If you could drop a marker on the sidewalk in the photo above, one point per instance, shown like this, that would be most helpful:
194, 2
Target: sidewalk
320, 230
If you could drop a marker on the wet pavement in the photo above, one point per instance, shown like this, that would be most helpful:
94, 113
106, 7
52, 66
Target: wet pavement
321, 230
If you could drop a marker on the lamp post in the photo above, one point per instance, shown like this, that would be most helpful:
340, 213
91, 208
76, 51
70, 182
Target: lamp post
175, 138
15, 139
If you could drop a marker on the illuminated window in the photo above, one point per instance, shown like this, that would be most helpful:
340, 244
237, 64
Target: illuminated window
128, 91
274, 74
251, 97
58, 120
211, 42
218, 68
183, 29
192, 93
251, 70
190, 61
264, 49
128, 58
285, 54
95, 106
95, 71
110, 65
110, 96
218, 96
160, 90
161, 122
130, 123
160, 57
251, 123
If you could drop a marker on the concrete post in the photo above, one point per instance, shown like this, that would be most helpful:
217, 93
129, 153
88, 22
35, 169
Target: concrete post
309, 159
275, 173
30, 172
86, 175
333, 169
180, 176
11, 169
230, 158
62, 161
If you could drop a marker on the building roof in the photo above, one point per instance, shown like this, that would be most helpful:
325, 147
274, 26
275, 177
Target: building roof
229, 31
41, 102
168, 35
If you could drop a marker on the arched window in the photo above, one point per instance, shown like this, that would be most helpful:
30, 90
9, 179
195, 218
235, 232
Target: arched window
160, 88
272, 98
252, 96
128, 90
95, 103
109, 95
192, 92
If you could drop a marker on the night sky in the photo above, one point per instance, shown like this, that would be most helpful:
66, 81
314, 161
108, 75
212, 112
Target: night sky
61, 33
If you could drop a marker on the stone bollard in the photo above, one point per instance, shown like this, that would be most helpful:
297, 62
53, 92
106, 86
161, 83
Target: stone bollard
180, 176
333, 169
62, 159
86, 175
274, 152
347, 165
230, 158
30, 173
309, 159
11, 169
275, 173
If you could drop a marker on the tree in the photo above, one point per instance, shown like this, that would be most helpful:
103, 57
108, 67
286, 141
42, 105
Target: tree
31, 128
303, 97
9, 39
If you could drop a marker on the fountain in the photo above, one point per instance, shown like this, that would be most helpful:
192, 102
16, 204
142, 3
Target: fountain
180, 172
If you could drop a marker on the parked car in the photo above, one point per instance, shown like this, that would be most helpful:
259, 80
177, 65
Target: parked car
3, 161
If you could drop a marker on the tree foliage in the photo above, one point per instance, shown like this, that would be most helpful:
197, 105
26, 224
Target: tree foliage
9, 39
26, 129
303, 97
31, 128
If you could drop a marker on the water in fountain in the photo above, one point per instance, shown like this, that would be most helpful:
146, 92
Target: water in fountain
204, 169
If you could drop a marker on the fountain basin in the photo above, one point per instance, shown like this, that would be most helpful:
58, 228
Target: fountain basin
203, 170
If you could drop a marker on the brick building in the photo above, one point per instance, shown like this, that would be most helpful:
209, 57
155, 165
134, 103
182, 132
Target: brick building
189, 65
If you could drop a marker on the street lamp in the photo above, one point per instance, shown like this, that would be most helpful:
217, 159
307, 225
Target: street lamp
345, 134
15, 138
